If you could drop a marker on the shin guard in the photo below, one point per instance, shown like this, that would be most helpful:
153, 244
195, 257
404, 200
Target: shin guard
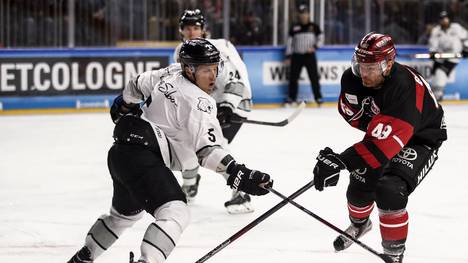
394, 230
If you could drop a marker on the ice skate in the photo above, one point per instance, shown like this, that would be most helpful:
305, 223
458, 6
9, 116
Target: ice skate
82, 256
132, 259
342, 242
394, 253
191, 190
394, 258
239, 203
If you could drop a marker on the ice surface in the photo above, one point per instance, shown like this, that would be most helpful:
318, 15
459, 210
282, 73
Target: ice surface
54, 183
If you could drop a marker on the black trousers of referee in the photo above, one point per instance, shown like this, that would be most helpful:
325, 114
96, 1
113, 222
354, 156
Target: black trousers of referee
310, 62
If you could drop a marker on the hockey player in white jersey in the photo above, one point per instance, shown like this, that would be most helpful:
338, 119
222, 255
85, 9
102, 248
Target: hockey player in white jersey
233, 98
175, 129
447, 37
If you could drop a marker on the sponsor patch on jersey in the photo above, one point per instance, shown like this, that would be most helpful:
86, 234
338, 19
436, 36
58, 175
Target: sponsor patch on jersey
352, 99
408, 153
204, 105
296, 28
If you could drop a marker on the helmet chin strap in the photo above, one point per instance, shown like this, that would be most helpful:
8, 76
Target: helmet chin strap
386, 69
192, 69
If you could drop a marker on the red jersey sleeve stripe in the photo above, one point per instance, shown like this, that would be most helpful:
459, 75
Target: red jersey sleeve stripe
420, 90
419, 96
366, 155
401, 132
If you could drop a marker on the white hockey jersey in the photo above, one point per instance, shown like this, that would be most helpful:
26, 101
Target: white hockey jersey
185, 114
449, 40
232, 85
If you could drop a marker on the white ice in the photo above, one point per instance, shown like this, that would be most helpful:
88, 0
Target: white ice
54, 184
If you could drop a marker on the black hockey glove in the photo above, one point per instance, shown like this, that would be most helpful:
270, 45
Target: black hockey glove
120, 108
327, 170
246, 180
226, 116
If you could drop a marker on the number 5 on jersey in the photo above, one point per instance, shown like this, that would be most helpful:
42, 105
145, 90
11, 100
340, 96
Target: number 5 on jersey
211, 135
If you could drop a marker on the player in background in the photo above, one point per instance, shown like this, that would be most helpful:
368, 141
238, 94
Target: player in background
233, 99
447, 37
177, 130
404, 128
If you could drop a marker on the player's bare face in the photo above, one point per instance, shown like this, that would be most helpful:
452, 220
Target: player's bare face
192, 32
205, 77
304, 18
445, 22
371, 75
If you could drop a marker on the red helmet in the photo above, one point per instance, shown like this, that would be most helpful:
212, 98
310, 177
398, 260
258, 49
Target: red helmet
374, 48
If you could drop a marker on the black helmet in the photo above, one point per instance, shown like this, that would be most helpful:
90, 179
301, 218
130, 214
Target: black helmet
303, 8
198, 51
443, 14
192, 17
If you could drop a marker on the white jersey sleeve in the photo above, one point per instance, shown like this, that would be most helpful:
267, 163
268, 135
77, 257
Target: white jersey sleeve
139, 88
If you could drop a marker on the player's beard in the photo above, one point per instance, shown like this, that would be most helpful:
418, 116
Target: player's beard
372, 84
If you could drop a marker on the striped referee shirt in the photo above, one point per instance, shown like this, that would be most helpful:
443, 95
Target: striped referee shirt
303, 37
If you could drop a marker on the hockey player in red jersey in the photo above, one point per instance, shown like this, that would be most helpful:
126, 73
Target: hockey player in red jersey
404, 127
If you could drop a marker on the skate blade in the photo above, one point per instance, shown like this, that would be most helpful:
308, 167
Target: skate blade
240, 209
350, 242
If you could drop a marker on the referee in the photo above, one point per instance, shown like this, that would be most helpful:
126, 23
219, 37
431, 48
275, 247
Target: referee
304, 38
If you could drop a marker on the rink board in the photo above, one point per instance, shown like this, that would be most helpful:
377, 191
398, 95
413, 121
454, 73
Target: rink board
90, 78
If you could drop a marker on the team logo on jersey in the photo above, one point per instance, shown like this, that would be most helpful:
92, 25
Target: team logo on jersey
204, 105
370, 107
168, 90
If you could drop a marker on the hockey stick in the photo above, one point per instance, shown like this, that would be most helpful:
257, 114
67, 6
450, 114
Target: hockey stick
434, 55
280, 123
287, 199
252, 224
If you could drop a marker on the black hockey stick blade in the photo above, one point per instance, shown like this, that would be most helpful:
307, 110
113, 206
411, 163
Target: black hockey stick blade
384, 257
280, 123
252, 224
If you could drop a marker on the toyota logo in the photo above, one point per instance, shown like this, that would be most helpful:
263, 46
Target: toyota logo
407, 153
361, 171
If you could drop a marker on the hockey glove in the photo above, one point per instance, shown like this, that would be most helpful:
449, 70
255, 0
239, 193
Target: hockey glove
327, 170
246, 180
120, 108
226, 116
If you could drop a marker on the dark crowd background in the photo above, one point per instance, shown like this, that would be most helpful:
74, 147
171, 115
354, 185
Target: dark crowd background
87, 23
